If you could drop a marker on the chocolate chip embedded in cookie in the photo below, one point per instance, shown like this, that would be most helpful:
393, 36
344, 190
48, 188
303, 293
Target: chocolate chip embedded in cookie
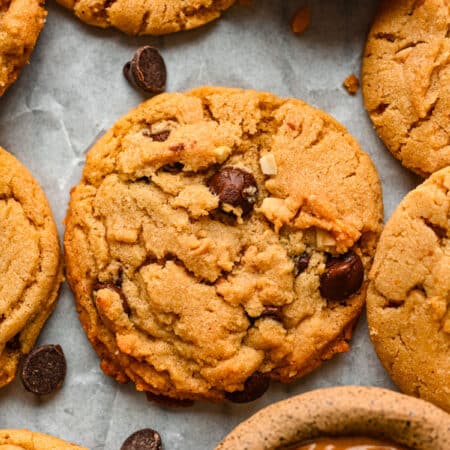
218, 240
406, 81
30, 263
29, 440
21, 22
154, 17
408, 307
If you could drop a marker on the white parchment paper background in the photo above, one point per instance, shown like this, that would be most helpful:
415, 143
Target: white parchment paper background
74, 90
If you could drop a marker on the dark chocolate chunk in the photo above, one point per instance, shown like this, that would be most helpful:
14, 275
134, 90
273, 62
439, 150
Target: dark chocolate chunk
44, 369
169, 401
145, 439
254, 387
301, 263
113, 287
146, 70
343, 276
235, 187
158, 137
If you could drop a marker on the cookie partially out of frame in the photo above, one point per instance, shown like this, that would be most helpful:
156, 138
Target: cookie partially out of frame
409, 293
30, 263
218, 239
147, 16
21, 22
29, 440
406, 81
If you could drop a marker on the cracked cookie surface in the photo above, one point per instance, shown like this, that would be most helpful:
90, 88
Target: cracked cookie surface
409, 293
140, 17
29, 440
406, 81
201, 236
30, 263
21, 22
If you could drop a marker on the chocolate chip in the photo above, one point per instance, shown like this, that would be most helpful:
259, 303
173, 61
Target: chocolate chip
169, 401
115, 288
175, 167
254, 387
146, 70
44, 369
273, 312
235, 187
343, 276
145, 439
301, 263
158, 137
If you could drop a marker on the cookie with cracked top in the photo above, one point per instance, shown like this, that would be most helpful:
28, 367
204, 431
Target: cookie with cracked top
30, 440
408, 305
219, 239
140, 17
21, 22
30, 263
406, 81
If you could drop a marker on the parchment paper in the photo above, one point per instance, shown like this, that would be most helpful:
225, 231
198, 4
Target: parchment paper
74, 90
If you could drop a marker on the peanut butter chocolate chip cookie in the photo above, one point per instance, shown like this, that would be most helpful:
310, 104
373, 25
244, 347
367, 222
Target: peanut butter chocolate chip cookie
409, 293
219, 239
30, 263
147, 16
28, 440
21, 22
406, 81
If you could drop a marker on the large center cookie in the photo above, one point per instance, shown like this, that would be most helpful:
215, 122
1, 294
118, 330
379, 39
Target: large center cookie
147, 16
29, 440
30, 263
408, 304
221, 237
406, 81
21, 22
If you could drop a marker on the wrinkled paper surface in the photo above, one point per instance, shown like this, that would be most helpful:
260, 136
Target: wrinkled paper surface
74, 90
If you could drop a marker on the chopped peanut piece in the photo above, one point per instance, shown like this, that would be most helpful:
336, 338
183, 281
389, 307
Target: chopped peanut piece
268, 164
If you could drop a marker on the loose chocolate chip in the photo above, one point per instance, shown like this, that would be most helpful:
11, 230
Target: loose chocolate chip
146, 439
168, 401
158, 137
235, 187
44, 369
254, 387
343, 276
146, 70
113, 287
301, 263
173, 168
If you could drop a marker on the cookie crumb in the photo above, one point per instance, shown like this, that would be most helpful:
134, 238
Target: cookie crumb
301, 20
351, 84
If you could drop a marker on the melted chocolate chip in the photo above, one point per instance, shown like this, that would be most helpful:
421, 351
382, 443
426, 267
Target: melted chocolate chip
146, 70
115, 288
301, 263
235, 187
273, 312
168, 401
158, 137
343, 276
44, 369
146, 439
254, 387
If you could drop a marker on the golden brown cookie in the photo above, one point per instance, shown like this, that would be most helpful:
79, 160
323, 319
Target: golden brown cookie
218, 239
21, 22
30, 263
147, 16
406, 81
409, 293
29, 440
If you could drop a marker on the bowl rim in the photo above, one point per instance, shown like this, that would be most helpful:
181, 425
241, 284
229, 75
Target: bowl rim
363, 411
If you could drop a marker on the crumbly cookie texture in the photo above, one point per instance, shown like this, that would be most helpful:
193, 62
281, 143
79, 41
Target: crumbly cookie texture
29, 440
30, 263
406, 81
21, 22
147, 16
409, 293
189, 285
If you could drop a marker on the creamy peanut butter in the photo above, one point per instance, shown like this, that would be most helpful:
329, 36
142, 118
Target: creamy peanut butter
347, 443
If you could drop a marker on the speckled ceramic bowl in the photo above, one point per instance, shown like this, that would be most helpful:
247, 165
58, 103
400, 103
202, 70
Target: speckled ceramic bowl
344, 411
